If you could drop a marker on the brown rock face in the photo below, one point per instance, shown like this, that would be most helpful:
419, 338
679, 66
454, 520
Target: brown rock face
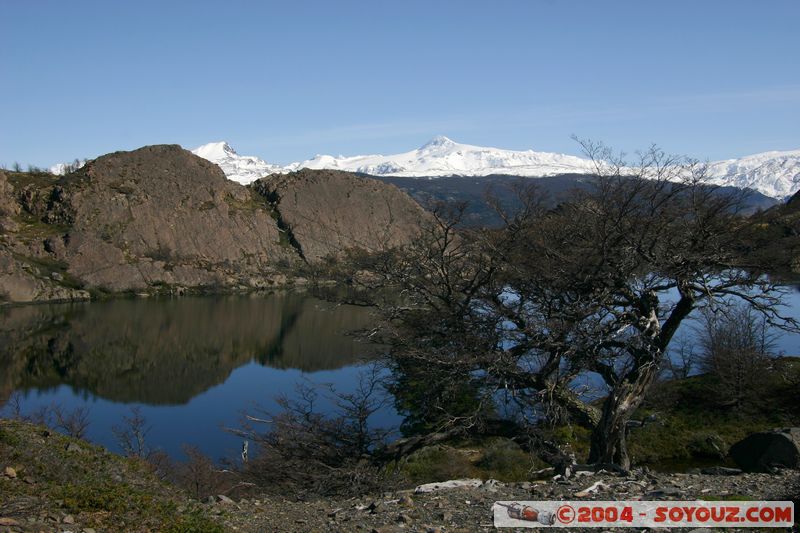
9, 208
8, 204
161, 215
326, 212
24, 276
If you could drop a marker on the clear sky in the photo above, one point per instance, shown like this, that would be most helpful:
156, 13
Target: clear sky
287, 80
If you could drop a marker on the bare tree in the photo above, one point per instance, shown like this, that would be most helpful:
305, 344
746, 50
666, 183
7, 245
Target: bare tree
682, 359
304, 447
131, 435
200, 476
74, 423
600, 284
13, 407
737, 349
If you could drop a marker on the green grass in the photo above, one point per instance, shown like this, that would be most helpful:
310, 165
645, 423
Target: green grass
495, 458
46, 266
38, 179
30, 228
125, 500
105, 491
692, 428
255, 202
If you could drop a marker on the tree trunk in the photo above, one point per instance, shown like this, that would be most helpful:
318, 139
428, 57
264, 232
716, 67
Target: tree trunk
608, 443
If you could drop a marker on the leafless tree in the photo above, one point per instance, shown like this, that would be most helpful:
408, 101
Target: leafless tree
200, 476
737, 349
13, 407
599, 284
682, 359
323, 451
131, 435
74, 423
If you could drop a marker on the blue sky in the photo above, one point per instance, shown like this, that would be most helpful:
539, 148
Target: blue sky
287, 80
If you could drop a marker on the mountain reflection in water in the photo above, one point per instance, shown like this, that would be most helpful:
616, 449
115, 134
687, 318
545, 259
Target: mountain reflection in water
163, 353
168, 351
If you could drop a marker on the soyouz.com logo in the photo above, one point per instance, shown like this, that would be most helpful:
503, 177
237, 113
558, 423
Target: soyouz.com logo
662, 514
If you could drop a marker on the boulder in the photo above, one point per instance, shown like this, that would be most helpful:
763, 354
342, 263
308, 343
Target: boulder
767, 450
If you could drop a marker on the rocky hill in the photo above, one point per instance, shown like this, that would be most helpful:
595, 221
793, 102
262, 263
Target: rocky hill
161, 217
325, 212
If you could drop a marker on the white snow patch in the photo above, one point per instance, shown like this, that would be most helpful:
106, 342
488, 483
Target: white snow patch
774, 174
239, 168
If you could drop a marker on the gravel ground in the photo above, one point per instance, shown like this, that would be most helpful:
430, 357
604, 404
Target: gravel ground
469, 508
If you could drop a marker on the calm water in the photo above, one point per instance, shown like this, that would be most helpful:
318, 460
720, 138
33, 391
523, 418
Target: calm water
191, 364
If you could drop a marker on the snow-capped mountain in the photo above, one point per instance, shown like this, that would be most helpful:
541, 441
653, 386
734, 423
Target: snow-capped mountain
240, 168
59, 169
775, 174
444, 157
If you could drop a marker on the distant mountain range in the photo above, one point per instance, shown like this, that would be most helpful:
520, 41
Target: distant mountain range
774, 174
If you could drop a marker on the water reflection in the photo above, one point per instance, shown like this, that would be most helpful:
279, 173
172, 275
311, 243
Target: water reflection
169, 351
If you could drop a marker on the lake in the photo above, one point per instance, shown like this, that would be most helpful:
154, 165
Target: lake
191, 364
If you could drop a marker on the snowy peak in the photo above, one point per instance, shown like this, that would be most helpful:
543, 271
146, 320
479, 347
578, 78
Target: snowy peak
442, 156
775, 174
217, 150
240, 168
61, 169
440, 141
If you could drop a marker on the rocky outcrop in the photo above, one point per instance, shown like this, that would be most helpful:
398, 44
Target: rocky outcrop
767, 450
24, 281
26, 275
326, 212
161, 217
9, 207
132, 221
